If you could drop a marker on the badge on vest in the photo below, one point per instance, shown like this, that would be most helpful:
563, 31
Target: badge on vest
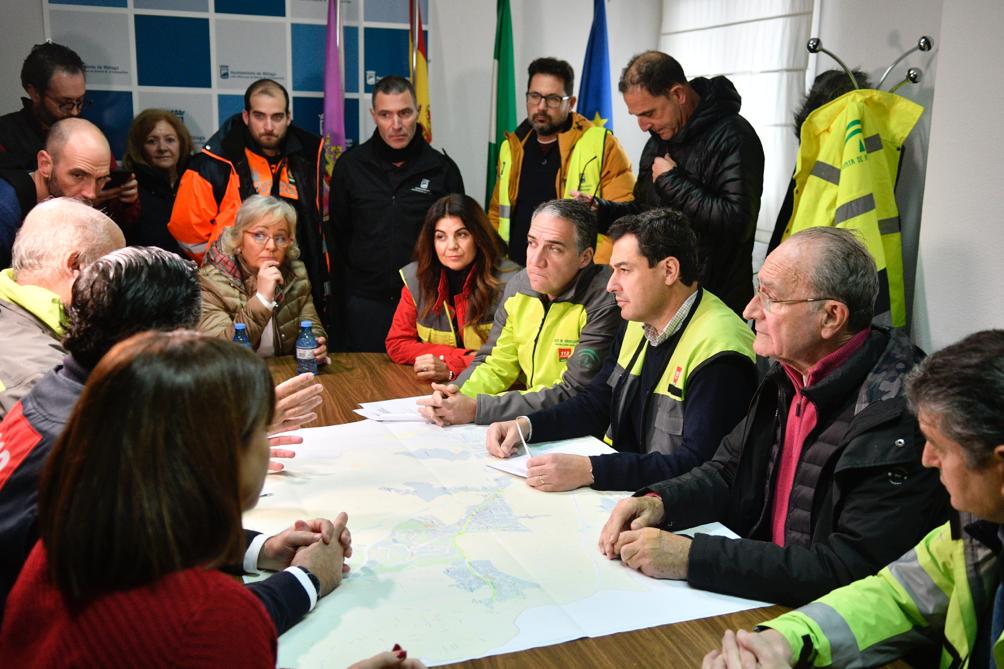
676, 375
564, 353
423, 187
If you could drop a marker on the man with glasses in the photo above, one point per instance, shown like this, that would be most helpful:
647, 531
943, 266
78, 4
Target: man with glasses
257, 152
554, 152
822, 479
53, 77
703, 159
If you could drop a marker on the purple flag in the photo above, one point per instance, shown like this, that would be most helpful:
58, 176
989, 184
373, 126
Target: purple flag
334, 97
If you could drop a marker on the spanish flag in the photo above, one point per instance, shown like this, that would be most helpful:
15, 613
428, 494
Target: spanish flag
419, 62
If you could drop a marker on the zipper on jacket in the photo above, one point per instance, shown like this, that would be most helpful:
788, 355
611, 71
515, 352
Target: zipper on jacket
533, 354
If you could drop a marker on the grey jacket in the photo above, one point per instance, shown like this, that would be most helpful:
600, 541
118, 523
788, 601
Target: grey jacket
30, 349
552, 348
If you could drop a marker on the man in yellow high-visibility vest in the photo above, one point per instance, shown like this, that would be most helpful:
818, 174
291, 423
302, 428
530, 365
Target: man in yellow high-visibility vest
553, 153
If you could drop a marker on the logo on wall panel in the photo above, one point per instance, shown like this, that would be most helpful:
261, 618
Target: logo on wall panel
227, 73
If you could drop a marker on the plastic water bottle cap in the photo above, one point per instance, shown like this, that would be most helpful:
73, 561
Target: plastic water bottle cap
305, 324
240, 326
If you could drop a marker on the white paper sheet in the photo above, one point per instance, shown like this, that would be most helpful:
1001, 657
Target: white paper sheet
517, 464
452, 559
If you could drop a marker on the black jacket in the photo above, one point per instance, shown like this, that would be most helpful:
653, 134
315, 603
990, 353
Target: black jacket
860, 499
156, 198
717, 183
376, 212
21, 138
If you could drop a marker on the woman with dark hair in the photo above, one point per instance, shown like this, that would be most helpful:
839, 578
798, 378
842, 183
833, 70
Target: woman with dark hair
157, 150
138, 519
451, 290
137, 516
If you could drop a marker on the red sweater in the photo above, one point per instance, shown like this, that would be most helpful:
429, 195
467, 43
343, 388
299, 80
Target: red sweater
191, 618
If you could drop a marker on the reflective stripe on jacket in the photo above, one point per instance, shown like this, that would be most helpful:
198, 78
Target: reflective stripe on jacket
846, 176
592, 161
938, 590
713, 329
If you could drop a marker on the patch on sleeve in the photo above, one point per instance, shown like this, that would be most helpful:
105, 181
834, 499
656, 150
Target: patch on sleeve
588, 359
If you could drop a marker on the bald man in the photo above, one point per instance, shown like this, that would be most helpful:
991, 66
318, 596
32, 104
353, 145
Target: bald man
59, 238
74, 163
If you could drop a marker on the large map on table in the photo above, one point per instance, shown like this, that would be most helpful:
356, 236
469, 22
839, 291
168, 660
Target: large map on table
455, 560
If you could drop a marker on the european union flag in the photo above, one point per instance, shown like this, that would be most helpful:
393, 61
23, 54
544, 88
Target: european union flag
594, 89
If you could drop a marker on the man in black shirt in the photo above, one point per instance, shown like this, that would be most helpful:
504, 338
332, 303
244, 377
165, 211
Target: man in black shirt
380, 191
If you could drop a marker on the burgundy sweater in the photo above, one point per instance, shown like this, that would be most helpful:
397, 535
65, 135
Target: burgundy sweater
192, 618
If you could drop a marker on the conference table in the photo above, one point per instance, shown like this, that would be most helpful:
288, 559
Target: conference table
352, 378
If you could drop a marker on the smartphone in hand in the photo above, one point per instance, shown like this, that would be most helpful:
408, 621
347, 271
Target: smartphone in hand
119, 176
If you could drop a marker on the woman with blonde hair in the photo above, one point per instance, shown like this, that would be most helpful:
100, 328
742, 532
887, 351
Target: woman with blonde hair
251, 275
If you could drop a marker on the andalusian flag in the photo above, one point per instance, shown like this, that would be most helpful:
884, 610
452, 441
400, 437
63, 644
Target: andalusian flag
503, 104
594, 90
334, 98
419, 61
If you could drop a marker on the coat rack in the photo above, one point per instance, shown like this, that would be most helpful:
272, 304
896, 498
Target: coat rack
913, 74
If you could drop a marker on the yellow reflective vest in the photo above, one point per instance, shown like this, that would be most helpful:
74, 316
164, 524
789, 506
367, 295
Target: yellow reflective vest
937, 592
712, 330
846, 176
552, 348
592, 161
437, 327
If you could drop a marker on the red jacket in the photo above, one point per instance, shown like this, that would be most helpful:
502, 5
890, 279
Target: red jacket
407, 338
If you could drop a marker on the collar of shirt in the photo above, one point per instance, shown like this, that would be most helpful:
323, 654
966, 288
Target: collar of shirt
655, 338
827, 364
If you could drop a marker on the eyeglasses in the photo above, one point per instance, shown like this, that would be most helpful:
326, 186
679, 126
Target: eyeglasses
766, 301
554, 101
260, 238
70, 106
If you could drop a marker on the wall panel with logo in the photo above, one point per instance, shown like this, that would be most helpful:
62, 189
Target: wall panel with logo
196, 57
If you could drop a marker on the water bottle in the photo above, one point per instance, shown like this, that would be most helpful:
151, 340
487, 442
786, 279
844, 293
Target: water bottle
241, 334
305, 345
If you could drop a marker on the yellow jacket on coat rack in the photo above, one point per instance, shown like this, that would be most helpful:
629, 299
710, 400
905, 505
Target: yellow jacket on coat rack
845, 176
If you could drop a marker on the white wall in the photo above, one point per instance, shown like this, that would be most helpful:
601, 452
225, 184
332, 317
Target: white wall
869, 35
760, 47
960, 273
20, 34
461, 44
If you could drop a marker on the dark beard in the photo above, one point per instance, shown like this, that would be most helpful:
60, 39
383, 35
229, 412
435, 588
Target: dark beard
52, 185
547, 130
